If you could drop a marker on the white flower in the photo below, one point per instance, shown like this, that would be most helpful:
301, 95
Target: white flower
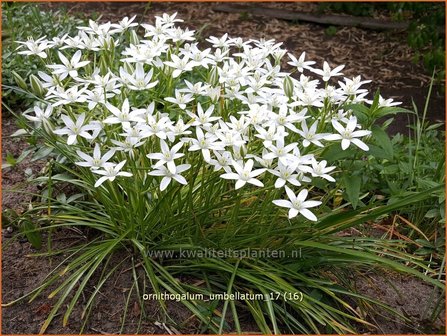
244, 174
300, 64
281, 152
180, 128
298, 204
180, 65
167, 155
73, 129
159, 128
387, 102
122, 116
205, 142
319, 169
68, 67
49, 81
70, 96
196, 89
139, 80
220, 42
229, 137
96, 96
180, 99
96, 161
168, 175
351, 87
167, 19
270, 135
266, 163
348, 134
310, 135
37, 47
327, 73
179, 35
124, 24
223, 160
285, 119
110, 173
202, 118
285, 174
96, 28
128, 145
40, 115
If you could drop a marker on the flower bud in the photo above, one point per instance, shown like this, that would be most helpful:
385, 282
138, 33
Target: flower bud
36, 86
103, 65
213, 77
128, 67
278, 55
288, 86
19, 81
112, 43
134, 38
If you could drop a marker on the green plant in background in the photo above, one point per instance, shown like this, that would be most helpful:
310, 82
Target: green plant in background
176, 149
20, 21
425, 33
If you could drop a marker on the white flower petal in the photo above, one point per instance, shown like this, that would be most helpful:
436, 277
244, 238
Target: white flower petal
293, 213
165, 182
308, 214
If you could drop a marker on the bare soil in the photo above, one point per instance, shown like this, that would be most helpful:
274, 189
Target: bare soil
382, 57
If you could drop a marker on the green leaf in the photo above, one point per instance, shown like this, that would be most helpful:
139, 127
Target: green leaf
335, 152
391, 110
43, 152
11, 159
383, 140
352, 184
373, 258
19, 133
377, 152
360, 111
33, 236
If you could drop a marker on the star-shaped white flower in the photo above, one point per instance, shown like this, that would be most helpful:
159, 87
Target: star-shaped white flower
310, 135
205, 143
299, 63
73, 129
285, 173
348, 134
68, 67
111, 173
244, 174
167, 155
96, 161
327, 72
124, 115
168, 176
297, 204
319, 169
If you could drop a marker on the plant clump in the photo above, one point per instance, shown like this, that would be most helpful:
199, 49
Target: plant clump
178, 145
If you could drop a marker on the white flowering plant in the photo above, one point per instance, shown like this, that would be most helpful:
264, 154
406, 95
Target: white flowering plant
174, 144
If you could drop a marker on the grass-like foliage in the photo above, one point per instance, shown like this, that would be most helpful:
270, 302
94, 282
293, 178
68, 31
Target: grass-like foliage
213, 150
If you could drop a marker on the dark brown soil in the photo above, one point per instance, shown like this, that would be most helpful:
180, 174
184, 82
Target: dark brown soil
408, 296
383, 57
